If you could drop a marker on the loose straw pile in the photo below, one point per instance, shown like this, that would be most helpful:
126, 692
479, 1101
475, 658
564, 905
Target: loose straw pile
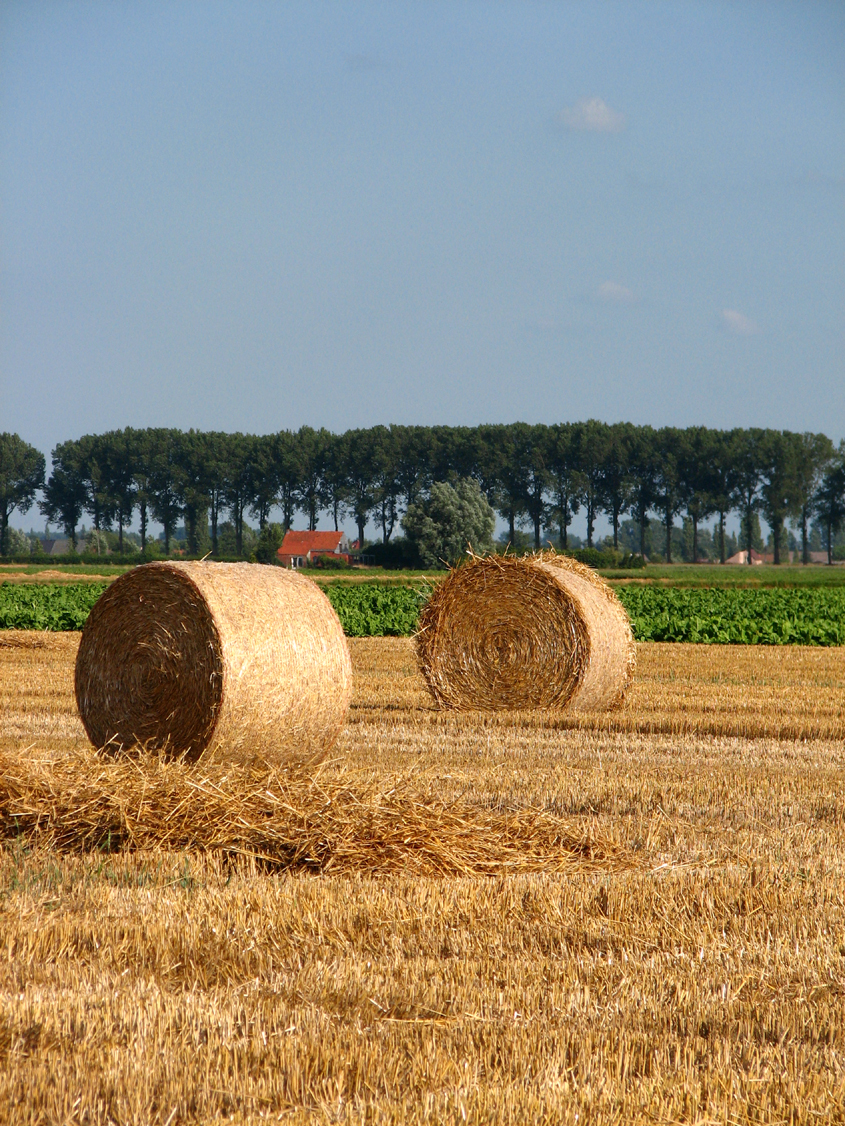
541, 631
322, 822
215, 660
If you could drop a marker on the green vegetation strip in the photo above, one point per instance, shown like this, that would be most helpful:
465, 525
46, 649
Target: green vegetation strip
369, 609
799, 616
374, 610
808, 616
57, 607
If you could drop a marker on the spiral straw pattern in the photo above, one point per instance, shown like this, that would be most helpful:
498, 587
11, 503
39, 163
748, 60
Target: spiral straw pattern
541, 631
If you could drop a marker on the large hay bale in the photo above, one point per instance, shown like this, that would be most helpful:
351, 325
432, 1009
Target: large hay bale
227, 660
542, 631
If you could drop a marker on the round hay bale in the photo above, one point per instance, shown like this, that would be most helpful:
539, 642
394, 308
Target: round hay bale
233, 660
541, 631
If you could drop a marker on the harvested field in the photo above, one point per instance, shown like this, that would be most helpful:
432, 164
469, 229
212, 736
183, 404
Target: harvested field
50, 575
693, 969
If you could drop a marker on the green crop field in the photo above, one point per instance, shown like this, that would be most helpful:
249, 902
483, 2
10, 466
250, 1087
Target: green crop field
47, 606
746, 616
375, 610
763, 616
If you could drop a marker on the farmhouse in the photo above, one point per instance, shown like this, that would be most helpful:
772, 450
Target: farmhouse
55, 547
301, 548
741, 557
818, 556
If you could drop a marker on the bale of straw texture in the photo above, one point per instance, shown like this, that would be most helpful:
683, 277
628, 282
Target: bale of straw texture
231, 661
541, 631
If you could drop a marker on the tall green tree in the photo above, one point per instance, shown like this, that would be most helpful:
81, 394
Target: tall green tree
615, 476
139, 446
643, 460
502, 468
816, 453
533, 444
414, 453
93, 463
361, 478
385, 456
237, 491
195, 484
287, 474
335, 479
21, 476
748, 476
311, 451
264, 482
165, 483
215, 451
829, 503
698, 483
592, 449
780, 454
119, 476
64, 493
669, 497
723, 479
563, 478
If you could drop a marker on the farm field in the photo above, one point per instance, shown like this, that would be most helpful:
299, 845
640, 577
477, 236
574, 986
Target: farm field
715, 575
675, 574
686, 964
53, 572
729, 615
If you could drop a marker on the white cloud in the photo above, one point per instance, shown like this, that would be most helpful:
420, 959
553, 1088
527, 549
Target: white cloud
614, 293
738, 324
593, 115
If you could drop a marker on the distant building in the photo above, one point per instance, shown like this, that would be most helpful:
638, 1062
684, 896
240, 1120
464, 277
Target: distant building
756, 557
301, 548
817, 556
55, 547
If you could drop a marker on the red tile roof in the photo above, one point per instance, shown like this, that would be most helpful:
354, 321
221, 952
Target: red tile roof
300, 543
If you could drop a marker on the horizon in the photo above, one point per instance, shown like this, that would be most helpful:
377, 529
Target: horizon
578, 527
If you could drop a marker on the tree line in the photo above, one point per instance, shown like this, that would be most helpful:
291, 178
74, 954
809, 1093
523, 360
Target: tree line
535, 476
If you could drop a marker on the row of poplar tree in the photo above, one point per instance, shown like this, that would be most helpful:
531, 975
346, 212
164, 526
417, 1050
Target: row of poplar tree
535, 476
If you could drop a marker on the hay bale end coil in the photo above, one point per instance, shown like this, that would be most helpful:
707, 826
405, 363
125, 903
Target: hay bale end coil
541, 631
234, 661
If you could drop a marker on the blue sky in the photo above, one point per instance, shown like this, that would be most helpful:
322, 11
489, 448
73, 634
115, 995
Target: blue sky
251, 216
